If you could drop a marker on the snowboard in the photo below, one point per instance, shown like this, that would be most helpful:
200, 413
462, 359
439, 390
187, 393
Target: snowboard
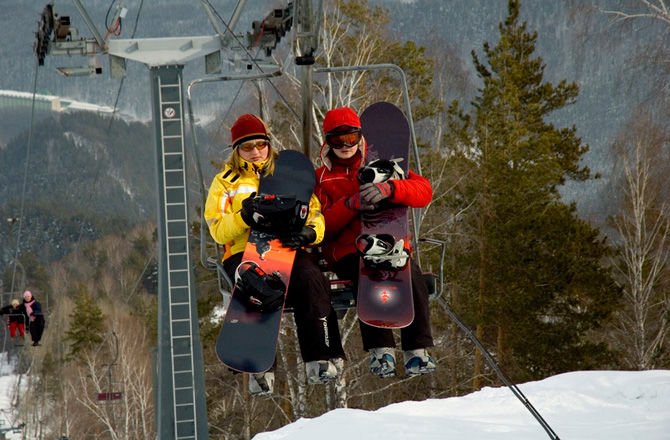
247, 341
385, 295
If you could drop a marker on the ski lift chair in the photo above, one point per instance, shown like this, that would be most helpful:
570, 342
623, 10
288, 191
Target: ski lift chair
342, 297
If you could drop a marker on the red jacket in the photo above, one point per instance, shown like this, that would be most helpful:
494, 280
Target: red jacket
335, 182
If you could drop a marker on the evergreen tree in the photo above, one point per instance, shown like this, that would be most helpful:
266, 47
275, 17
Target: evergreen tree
87, 326
538, 287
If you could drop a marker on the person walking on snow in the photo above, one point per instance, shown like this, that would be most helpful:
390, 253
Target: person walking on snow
17, 318
342, 201
35, 316
229, 213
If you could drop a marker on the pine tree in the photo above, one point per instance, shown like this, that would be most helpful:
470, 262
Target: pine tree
538, 287
87, 325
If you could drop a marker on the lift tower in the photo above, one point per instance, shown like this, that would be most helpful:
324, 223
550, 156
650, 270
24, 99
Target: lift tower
180, 401
181, 411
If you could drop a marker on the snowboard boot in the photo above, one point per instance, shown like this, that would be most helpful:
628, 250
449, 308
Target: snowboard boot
320, 372
382, 361
418, 362
261, 384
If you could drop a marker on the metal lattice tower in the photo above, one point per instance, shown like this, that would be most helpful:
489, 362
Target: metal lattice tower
181, 409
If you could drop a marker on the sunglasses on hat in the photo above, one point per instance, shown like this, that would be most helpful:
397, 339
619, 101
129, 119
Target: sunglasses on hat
249, 146
341, 140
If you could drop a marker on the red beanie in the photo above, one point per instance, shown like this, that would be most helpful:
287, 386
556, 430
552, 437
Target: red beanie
338, 117
248, 127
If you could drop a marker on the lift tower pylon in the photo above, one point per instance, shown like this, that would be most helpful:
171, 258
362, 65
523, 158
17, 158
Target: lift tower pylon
181, 411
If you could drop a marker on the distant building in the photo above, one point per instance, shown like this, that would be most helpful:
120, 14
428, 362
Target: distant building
13, 99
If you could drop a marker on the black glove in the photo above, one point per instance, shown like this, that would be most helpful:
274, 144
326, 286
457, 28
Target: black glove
248, 209
298, 239
374, 193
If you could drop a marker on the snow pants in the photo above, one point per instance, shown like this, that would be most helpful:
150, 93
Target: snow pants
309, 295
416, 335
14, 326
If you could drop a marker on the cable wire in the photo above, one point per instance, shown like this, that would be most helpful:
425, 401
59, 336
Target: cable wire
25, 174
252, 59
118, 92
515, 390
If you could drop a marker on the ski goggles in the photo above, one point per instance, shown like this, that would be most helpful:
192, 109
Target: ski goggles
249, 146
341, 140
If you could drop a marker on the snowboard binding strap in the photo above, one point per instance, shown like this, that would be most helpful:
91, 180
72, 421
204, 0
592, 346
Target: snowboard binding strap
382, 251
279, 212
380, 170
260, 291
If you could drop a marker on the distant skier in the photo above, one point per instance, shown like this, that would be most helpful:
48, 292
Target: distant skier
229, 212
342, 200
17, 318
35, 315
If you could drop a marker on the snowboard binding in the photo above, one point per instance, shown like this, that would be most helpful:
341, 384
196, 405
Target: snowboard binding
382, 251
261, 292
380, 170
279, 213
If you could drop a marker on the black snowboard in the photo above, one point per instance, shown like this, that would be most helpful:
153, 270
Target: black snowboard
385, 296
248, 339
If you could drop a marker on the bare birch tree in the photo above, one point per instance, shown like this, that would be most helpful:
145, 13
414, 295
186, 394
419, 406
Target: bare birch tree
655, 9
643, 227
121, 366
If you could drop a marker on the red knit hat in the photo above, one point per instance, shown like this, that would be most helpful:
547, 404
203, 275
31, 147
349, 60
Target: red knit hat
338, 117
248, 127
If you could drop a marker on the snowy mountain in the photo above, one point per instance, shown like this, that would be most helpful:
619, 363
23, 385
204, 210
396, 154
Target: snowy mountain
615, 64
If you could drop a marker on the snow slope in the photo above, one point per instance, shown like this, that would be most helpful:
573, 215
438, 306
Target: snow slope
587, 405
583, 405
8, 382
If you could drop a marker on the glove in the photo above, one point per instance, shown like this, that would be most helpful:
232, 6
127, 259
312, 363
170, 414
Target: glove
357, 203
373, 193
296, 240
248, 209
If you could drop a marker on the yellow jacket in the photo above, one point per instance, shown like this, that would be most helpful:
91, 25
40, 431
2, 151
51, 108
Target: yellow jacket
224, 202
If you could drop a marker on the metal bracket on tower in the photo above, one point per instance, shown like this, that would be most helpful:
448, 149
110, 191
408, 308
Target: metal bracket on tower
307, 32
66, 41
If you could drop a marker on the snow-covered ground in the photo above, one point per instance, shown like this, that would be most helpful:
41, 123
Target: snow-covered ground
8, 382
584, 405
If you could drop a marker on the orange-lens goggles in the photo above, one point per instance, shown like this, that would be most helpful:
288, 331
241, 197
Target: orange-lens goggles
341, 140
248, 146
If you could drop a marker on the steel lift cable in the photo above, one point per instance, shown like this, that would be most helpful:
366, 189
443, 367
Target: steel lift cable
25, 174
443, 303
252, 59
515, 390
118, 92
